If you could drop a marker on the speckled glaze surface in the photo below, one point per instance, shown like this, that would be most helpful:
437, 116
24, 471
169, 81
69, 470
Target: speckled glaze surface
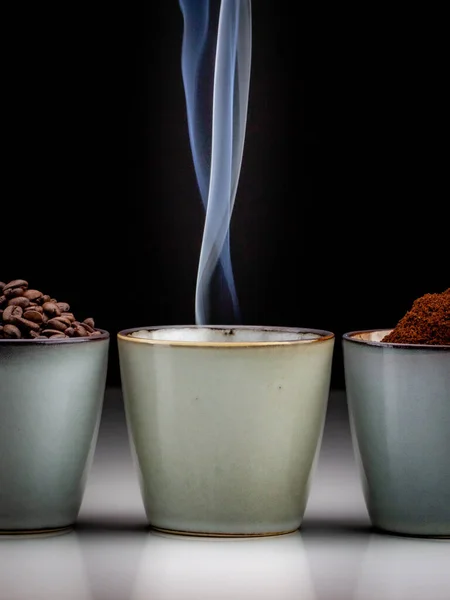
399, 404
225, 433
51, 396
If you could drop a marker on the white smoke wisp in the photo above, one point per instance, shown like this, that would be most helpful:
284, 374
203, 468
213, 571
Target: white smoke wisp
230, 104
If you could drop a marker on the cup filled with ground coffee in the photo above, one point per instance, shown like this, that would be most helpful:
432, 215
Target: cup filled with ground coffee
52, 382
398, 392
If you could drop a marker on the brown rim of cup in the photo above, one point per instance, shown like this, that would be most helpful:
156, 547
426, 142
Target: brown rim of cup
322, 334
73, 340
351, 336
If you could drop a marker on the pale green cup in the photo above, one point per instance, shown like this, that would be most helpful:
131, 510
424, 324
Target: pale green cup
51, 396
225, 424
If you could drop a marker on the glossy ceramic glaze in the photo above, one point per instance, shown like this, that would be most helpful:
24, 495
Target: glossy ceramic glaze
399, 404
225, 424
51, 395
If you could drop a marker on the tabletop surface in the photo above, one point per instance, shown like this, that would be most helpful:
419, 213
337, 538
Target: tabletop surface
112, 555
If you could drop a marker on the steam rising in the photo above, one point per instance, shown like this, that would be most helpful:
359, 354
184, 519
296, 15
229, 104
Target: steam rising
216, 135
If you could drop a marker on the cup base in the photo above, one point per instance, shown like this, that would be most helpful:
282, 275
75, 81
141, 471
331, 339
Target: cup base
425, 536
31, 533
221, 534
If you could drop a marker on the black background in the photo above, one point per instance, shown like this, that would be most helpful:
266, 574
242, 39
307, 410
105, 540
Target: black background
340, 217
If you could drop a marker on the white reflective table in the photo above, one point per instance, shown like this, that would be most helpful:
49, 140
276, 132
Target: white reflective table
112, 555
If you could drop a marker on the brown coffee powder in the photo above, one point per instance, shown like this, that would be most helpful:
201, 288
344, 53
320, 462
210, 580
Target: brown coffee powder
428, 322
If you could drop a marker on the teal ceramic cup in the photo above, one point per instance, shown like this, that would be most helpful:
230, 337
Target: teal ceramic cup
399, 405
225, 424
51, 396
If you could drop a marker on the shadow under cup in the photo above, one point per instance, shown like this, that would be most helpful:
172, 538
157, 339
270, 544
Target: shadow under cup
51, 396
225, 424
399, 405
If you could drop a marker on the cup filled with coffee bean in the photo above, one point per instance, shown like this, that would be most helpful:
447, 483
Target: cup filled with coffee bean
398, 392
52, 383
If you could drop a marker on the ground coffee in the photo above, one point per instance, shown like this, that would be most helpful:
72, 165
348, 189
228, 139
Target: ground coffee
30, 314
428, 322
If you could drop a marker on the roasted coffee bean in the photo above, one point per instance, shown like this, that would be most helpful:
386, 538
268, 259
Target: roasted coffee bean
50, 332
80, 331
36, 307
3, 301
68, 315
20, 301
13, 292
32, 295
44, 298
11, 331
33, 315
57, 335
63, 307
70, 331
88, 328
16, 283
25, 325
56, 323
90, 322
11, 313
51, 309
67, 322
2, 285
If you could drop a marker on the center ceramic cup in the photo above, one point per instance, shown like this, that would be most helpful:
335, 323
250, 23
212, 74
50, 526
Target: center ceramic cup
51, 396
225, 424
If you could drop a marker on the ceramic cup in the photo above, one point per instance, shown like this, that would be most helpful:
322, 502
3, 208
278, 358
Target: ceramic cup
399, 405
51, 396
225, 424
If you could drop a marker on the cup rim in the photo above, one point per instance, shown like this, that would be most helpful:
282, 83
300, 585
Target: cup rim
324, 335
51, 341
350, 336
